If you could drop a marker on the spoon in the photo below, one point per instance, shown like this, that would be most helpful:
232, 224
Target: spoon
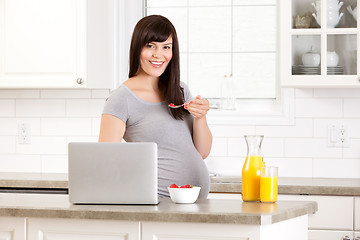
171, 105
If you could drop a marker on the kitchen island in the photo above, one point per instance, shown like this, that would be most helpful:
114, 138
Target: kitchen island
50, 216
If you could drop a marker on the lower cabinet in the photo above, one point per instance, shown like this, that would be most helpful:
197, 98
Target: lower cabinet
334, 212
75, 229
338, 217
12, 228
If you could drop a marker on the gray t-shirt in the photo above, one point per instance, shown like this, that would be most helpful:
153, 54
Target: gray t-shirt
178, 160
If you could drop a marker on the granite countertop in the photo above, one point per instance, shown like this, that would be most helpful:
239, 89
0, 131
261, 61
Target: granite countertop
312, 186
203, 211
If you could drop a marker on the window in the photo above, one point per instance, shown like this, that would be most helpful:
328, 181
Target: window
223, 37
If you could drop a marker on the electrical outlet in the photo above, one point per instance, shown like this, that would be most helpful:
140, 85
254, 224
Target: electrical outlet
24, 133
338, 136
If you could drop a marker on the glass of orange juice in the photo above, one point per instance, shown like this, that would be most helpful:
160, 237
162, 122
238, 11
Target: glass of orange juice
268, 184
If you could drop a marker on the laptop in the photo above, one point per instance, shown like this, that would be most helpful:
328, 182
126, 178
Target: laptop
113, 173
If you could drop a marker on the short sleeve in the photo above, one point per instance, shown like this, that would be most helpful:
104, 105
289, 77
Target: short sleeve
187, 94
116, 104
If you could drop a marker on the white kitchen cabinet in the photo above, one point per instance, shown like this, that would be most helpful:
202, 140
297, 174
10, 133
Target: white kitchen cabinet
57, 44
12, 228
357, 214
189, 231
334, 212
42, 43
296, 40
75, 229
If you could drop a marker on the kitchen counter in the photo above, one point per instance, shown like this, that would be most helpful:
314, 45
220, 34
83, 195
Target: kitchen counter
305, 186
203, 211
311, 186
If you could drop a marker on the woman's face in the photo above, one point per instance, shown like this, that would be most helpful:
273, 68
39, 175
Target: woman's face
155, 57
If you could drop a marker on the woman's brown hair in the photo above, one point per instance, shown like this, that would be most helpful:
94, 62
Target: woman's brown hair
156, 28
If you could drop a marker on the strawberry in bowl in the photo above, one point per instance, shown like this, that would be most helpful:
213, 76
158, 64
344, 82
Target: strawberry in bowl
184, 194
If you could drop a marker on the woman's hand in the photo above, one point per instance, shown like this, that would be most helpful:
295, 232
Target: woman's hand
198, 107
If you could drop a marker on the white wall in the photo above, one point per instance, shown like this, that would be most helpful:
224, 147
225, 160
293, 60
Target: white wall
61, 116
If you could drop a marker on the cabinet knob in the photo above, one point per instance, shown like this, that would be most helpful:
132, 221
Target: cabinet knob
79, 81
346, 238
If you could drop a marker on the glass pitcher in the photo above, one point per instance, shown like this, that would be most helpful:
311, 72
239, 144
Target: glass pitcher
251, 169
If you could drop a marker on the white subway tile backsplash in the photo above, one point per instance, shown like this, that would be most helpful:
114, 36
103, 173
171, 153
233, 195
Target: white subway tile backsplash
231, 131
336, 168
272, 147
292, 167
57, 117
84, 107
352, 108
319, 108
20, 163
237, 147
95, 127
66, 126
353, 151
225, 166
7, 144
304, 92
219, 147
43, 145
54, 163
302, 128
310, 148
7, 108
65, 93
337, 93
40, 108
20, 93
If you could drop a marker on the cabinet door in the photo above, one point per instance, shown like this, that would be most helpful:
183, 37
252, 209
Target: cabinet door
357, 214
80, 229
42, 43
334, 212
12, 228
329, 235
321, 53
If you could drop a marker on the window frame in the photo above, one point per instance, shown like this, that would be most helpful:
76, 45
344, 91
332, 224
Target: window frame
278, 111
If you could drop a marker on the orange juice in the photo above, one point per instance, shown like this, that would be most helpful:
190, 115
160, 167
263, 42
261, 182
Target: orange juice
268, 189
251, 178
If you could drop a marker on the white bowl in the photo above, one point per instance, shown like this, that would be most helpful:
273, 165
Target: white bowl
184, 195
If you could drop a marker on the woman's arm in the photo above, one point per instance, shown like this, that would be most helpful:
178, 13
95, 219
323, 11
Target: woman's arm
112, 129
202, 136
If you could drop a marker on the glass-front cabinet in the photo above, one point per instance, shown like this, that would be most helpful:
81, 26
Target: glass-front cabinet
318, 43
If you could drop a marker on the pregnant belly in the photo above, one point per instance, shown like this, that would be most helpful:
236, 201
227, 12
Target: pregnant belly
183, 171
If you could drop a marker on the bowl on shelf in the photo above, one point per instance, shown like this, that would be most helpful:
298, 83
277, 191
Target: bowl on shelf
184, 195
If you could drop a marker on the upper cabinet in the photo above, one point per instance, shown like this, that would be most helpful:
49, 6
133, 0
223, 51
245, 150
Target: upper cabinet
318, 43
48, 44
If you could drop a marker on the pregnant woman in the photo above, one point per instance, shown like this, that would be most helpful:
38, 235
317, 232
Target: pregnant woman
140, 110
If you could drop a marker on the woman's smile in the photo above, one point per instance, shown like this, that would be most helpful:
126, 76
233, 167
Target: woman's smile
156, 64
